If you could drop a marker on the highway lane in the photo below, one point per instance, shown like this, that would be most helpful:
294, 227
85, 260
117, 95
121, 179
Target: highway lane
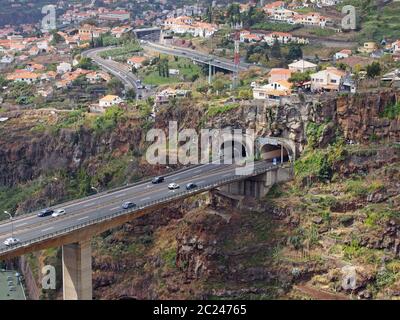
49, 225
119, 70
26, 221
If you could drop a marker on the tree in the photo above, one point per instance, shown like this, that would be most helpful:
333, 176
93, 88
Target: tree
131, 94
276, 50
87, 64
300, 77
115, 86
295, 53
374, 69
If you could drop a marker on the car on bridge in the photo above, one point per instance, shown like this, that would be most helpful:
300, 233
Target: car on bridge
58, 213
158, 180
191, 186
45, 213
173, 186
128, 205
11, 242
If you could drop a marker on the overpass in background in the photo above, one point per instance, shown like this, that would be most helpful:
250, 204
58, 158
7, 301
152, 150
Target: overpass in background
196, 56
96, 214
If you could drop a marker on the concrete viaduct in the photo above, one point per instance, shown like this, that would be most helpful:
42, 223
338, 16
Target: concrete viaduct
91, 216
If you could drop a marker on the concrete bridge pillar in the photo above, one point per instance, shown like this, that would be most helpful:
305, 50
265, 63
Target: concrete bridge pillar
259, 186
77, 271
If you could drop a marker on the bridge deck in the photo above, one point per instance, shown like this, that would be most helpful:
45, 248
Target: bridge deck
30, 229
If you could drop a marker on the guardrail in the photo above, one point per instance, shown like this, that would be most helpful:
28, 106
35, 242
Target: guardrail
147, 205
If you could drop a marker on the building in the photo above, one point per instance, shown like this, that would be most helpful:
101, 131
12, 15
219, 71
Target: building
136, 62
23, 76
64, 67
115, 15
87, 32
165, 95
278, 74
274, 90
368, 47
109, 101
187, 25
7, 59
327, 80
345, 53
302, 66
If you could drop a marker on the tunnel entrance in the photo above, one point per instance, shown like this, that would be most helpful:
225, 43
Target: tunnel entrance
270, 152
232, 152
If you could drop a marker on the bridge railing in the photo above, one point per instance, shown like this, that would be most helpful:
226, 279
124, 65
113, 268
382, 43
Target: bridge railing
146, 205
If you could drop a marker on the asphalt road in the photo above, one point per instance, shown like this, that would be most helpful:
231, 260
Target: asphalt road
122, 72
30, 227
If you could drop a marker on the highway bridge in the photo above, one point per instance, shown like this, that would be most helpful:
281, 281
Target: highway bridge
196, 56
91, 216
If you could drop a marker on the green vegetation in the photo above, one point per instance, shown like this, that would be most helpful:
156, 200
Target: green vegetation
158, 74
362, 187
214, 110
391, 111
319, 163
322, 32
108, 120
123, 53
272, 26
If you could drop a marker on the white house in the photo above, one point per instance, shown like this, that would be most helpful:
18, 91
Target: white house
345, 53
136, 62
274, 90
7, 59
302, 66
109, 101
328, 79
64, 67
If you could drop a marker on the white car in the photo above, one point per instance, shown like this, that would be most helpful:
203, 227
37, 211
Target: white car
59, 212
11, 242
173, 186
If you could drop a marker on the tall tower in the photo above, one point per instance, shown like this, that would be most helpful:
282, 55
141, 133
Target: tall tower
237, 58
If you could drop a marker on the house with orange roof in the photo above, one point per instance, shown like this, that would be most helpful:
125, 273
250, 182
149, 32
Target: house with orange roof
277, 74
342, 54
32, 67
327, 80
311, 19
23, 76
248, 37
136, 62
281, 37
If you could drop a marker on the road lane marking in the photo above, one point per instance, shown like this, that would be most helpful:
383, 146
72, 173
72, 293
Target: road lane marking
22, 224
44, 230
120, 195
144, 199
80, 219
202, 181
89, 204
114, 208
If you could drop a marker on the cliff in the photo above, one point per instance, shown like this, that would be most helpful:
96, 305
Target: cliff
338, 213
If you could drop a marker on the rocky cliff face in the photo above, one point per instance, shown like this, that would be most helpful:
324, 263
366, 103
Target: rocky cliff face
207, 246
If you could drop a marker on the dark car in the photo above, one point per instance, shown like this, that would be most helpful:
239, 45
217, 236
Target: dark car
45, 213
128, 205
191, 186
157, 180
